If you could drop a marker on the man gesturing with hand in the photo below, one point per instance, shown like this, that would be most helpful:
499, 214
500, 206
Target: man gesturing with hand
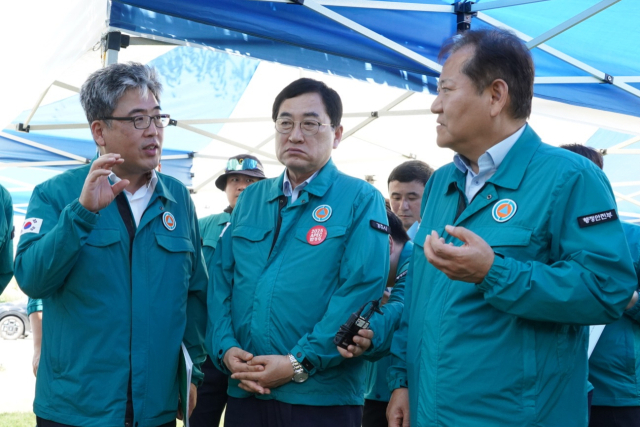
114, 252
519, 246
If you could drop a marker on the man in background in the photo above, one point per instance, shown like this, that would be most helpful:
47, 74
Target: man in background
382, 327
406, 185
241, 171
614, 365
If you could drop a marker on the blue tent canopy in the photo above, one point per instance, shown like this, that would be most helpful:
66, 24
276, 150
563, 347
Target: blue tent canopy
571, 67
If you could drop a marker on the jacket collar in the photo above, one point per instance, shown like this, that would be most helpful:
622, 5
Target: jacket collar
318, 186
511, 170
162, 190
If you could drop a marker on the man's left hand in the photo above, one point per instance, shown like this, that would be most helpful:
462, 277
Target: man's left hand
362, 343
277, 371
467, 263
193, 399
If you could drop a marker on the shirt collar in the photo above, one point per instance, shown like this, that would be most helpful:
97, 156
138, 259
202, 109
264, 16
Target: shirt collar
492, 158
151, 182
287, 188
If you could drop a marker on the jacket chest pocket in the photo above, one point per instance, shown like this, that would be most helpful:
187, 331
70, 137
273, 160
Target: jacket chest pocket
177, 258
251, 245
320, 245
102, 246
509, 241
333, 233
103, 238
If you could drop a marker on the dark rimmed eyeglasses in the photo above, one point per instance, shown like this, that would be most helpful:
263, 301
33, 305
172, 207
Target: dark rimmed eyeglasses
143, 122
308, 127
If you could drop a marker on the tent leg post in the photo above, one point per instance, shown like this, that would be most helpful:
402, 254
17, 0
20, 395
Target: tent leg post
464, 14
112, 43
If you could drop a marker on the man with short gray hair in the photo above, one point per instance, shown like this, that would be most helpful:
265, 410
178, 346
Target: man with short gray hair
114, 250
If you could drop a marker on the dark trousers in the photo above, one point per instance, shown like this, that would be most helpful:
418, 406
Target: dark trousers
615, 416
271, 413
40, 422
374, 414
212, 396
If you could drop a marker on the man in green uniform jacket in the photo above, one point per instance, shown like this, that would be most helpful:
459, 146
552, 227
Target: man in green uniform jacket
113, 249
302, 252
519, 246
241, 171
614, 365
6, 238
377, 392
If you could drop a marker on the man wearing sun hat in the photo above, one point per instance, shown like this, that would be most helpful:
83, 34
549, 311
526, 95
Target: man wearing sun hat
241, 171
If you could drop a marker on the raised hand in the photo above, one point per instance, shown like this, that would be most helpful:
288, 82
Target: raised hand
97, 192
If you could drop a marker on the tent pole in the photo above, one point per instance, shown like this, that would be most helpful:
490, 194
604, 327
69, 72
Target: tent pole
112, 43
496, 4
374, 115
223, 139
44, 148
24, 127
570, 23
313, 5
604, 77
366, 4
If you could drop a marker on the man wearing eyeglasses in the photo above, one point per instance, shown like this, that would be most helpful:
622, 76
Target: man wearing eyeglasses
240, 172
303, 251
113, 249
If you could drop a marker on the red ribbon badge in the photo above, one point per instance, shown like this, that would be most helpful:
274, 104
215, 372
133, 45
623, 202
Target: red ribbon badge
316, 235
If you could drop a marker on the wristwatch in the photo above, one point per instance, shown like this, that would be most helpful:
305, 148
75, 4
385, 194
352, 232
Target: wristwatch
299, 374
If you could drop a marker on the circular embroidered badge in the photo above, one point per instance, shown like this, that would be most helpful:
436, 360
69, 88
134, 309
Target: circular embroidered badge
504, 210
316, 235
322, 213
169, 221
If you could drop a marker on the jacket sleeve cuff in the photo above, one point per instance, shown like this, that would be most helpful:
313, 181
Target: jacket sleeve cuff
302, 358
33, 306
495, 275
218, 358
197, 376
84, 214
396, 380
634, 312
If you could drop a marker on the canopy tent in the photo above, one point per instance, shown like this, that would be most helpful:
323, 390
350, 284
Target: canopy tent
394, 43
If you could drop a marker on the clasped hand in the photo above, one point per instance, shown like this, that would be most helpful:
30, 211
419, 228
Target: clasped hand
258, 374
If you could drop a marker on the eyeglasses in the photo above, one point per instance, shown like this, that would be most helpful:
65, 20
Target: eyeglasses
308, 127
242, 164
143, 122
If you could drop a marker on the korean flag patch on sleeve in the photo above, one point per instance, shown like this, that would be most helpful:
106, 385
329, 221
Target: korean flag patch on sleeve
31, 225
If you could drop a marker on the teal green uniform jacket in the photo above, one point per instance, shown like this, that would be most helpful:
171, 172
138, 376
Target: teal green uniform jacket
6, 238
211, 227
614, 366
106, 314
383, 327
511, 350
293, 299
33, 306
